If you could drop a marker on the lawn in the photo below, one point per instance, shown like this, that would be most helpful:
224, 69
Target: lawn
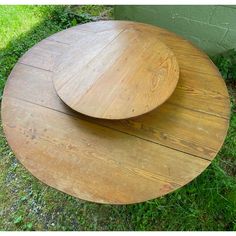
207, 203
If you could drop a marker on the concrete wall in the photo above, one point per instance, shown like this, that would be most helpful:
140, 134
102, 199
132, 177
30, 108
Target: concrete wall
212, 28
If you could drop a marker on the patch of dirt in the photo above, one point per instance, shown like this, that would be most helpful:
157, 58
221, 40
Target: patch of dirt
228, 164
232, 90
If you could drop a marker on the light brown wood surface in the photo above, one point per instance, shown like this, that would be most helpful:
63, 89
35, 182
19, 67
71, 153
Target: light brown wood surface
116, 73
115, 161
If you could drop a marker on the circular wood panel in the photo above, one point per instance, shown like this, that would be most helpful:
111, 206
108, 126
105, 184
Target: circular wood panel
122, 73
115, 161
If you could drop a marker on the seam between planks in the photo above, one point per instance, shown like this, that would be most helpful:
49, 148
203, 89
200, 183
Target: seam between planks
96, 55
57, 41
217, 77
153, 176
203, 112
108, 127
22, 63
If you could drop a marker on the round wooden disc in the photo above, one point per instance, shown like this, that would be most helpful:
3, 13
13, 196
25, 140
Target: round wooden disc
117, 73
115, 161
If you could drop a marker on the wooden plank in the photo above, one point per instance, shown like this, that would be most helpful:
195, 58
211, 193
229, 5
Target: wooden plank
93, 162
34, 85
202, 92
128, 76
43, 54
82, 53
169, 125
177, 128
70, 36
201, 65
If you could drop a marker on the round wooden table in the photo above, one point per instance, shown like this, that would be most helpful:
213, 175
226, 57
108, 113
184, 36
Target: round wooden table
115, 161
121, 74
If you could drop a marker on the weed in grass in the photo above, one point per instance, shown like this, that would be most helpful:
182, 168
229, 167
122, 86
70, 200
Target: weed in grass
226, 62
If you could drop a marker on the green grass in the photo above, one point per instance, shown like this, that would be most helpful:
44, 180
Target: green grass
17, 20
207, 203
94, 10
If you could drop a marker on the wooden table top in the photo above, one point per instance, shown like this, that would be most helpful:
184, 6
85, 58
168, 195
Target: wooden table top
115, 161
117, 73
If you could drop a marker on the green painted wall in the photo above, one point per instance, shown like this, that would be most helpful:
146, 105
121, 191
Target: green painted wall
212, 28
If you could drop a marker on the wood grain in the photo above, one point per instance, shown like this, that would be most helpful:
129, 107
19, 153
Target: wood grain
44, 54
125, 73
114, 161
91, 161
